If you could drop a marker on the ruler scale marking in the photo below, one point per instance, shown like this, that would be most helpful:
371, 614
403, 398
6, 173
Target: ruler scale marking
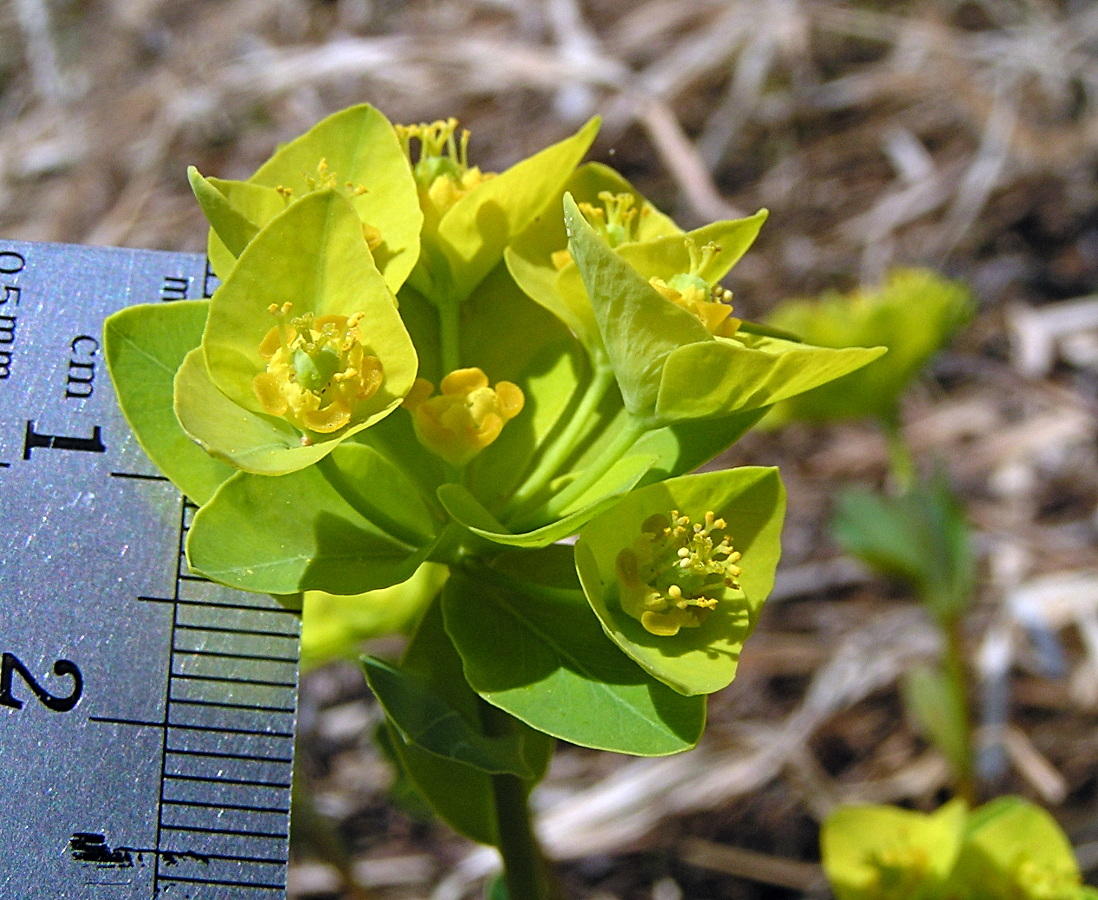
148, 707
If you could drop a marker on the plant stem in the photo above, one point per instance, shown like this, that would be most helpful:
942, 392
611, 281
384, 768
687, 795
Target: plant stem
525, 868
631, 430
565, 443
901, 461
955, 672
449, 316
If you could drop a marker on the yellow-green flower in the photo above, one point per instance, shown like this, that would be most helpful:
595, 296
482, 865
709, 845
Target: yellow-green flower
275, 396
318, 373
466, 416
675, 573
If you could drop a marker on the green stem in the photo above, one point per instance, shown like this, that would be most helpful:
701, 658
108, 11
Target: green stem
901, 461
631, 430
525, 868
565, 443
956, 674
449, 318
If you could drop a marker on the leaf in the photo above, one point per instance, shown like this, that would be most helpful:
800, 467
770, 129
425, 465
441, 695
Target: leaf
461, 795
725, 376
939, 713
667, 256
1014, 848
335, 627
529, 257
145, 346
535, 650
474, 231
235, 210
230, 433
362, 156
921, 537
426, 720
704, 659
914, 314
298, 532
467, 510
639, 327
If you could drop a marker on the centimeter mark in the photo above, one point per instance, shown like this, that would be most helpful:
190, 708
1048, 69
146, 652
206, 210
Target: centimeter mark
223, 784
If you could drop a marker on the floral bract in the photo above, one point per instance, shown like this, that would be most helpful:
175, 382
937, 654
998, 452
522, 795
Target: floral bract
303, 344
914, 314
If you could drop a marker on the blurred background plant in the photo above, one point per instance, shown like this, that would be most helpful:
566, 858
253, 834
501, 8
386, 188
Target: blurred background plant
957, 135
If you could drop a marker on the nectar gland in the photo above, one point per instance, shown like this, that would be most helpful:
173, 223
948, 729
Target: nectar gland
711, 304
616, 221
465, 417
318, 372
674, 573
442, 169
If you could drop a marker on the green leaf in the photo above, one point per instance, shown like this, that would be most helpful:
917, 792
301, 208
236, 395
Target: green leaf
1015, 849
301, 532
467, 510
531, 646
426, 720
336, 626
887, 853
145, 346
703, 659
313, 257
235, 211
749, 371
914, 314
668, 256
921, 537
233, 434
459, 794
474, 231
939, 713
359, 151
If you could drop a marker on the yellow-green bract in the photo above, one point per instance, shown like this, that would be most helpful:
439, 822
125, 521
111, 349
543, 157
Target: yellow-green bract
914, 314
1008, 848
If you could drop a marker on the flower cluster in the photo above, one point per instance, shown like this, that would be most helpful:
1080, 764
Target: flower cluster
586, 362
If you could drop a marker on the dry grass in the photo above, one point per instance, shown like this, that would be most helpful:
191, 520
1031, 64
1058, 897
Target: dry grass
961, 135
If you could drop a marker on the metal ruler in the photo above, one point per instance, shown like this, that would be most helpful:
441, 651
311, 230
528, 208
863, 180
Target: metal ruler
146, 715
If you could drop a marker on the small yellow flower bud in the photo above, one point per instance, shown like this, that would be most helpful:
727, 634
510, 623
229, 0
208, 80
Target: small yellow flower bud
465, 417
675, 573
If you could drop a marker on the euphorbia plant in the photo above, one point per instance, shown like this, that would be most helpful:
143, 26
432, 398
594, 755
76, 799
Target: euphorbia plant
1007, 848
917, 532
420, 378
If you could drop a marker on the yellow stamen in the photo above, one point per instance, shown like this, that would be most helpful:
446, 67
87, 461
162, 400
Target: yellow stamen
317, 373
675, 573
441, 169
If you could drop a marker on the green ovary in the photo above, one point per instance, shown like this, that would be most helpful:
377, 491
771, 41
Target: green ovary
318, 373
675, 573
